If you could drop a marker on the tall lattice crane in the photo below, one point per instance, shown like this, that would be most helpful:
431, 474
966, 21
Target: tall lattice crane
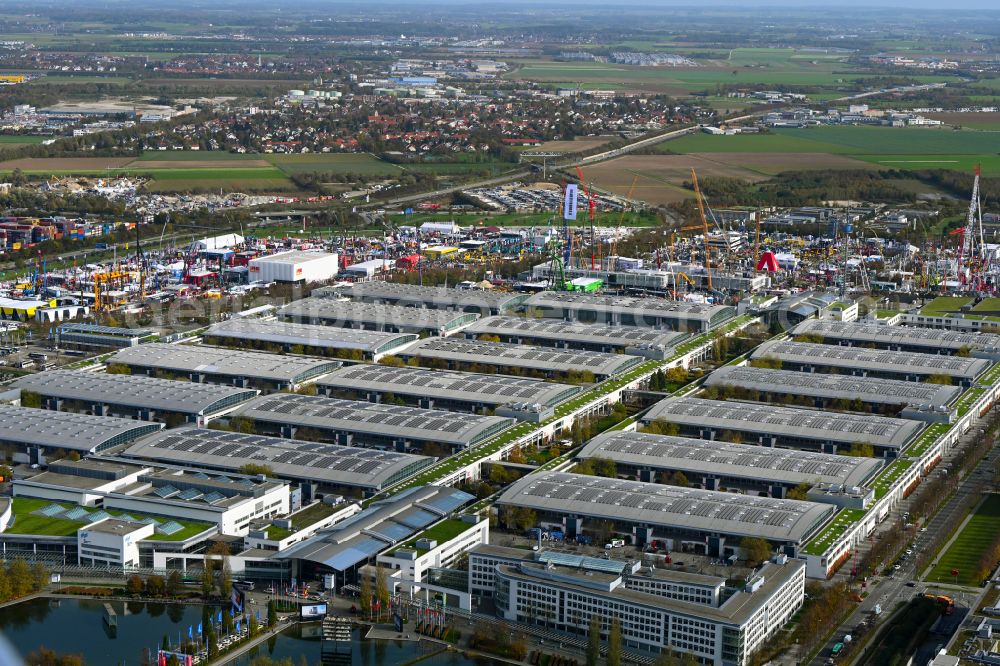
704, 230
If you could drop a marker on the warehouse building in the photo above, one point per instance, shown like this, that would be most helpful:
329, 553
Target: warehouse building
540, 362
724, 466
279, 336
229, 503
217, 365
687, 519
527, 399
92, 336
352, 543
375, 317
315, 467
789, 427
33, 434
132, 396
886, 396
632, 340
629, 311
902, 338
353, 423
706, 617
294, 266
875, 363
482, 302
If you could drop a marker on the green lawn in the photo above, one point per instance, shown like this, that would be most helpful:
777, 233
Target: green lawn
964, 553
944, 305
28, 522
311, 515
442, 532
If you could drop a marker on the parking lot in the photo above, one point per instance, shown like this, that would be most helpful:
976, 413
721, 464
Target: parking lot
518, 198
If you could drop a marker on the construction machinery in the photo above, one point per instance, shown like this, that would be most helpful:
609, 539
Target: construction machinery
704, 230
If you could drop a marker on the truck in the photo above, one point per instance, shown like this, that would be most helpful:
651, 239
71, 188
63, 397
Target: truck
329, 581
556, 535
584, 539
836, 649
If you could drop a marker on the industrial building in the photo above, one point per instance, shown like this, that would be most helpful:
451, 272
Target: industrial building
902, 338
542, 362
666, 280
218, 365
286, 337
375, 317
783, 426
483, 302
634, 340
315, 467
132, 396
687, 519
294, 266
93, 336
707, 617
353, 423
528, 399
629, 311
229, 503
875, 363
888, 396
724, 466
34, 434
352, 543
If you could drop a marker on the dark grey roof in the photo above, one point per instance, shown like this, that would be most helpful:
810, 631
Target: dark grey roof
288, 458
522, 356
311, 335
846, 387
873, 360
136, 391
570, 332
637, 306
791, 422
226, 362
412, 294
910, 336
459, 386
667, 506
722, 459
62, 430
390, 421
328, 311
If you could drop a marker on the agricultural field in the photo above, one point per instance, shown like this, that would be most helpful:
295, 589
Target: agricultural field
981, 121
750, 66
11, 142
659, 178
970, 545
362, 164
575, 146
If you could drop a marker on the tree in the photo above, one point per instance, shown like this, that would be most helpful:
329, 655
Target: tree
39, 576
134, 585
207, 578
605, 467
19, 576
272, 613
615, 643
944, 380
43, 656
117, 369
381, 589
256, 468
225, 578
156, 586
799, 492
254, 627
242, 424
174, 583
678, 479
31, 399
860, 450
755, 549
392, 361
365, 595
594, 640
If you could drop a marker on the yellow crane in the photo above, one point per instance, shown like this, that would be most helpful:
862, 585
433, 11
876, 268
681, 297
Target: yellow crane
704, 230
621, 218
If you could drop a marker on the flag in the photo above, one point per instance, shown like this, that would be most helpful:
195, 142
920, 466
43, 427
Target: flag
220, 616
190, 632
237, 626
258, 615
199, 628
